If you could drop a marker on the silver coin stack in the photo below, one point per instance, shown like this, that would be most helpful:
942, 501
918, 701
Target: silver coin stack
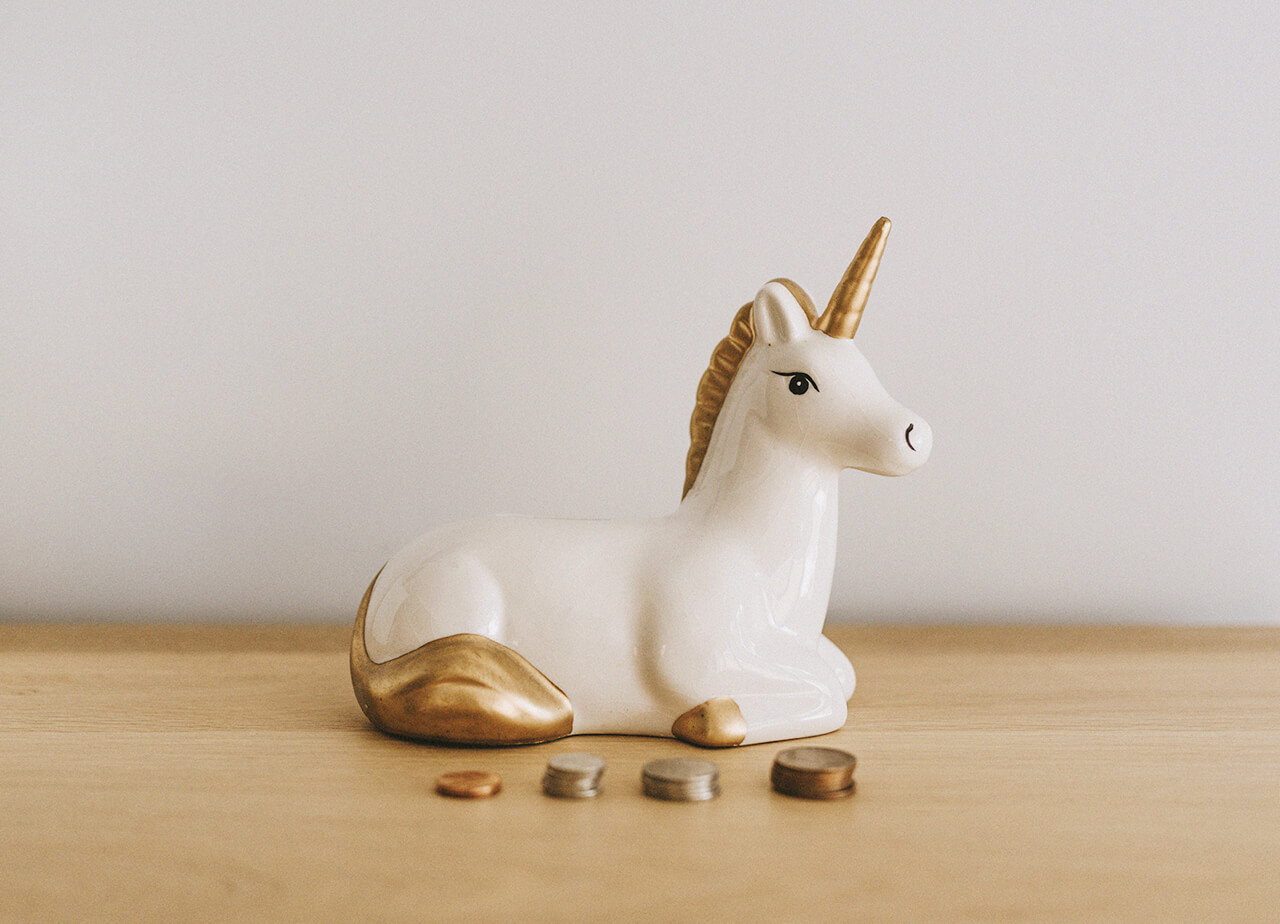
573, 776
681, 779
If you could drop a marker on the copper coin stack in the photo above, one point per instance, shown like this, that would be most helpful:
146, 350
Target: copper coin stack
681, 779
814, 773
573, 776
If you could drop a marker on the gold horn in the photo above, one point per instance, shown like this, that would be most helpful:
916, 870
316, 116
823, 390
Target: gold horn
844, 311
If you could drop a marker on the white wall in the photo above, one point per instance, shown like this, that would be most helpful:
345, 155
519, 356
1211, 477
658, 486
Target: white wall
281, 287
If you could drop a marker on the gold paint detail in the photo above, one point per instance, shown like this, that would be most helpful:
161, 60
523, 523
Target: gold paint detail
461, 689
712, 388
801, 297
715, 382
844, 311
717, 723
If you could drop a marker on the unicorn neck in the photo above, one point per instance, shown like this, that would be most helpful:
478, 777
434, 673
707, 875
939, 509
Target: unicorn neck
765, 488
775, 499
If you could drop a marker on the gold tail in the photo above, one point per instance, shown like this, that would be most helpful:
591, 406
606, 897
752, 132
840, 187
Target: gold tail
461, 689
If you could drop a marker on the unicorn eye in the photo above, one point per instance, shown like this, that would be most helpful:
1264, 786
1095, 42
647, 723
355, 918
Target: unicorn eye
800, 382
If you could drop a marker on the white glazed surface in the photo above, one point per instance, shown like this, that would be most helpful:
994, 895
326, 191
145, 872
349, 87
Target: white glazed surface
637, 621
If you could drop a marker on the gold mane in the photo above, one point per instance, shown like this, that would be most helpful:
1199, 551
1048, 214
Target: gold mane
715, 382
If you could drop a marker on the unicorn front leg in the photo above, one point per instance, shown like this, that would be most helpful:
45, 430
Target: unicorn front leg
798, 714
732, 696
763, 707
839, 663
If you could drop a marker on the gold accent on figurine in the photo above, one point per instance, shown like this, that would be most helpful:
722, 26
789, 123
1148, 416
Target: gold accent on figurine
717, 723
844, 311
462, 689
841, 319
712, 388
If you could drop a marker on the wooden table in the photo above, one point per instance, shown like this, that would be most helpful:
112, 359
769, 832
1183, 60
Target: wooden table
1056, 774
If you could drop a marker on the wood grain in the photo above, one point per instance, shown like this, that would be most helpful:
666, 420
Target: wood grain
1055, 774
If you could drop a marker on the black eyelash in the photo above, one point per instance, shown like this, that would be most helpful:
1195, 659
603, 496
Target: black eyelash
803, 375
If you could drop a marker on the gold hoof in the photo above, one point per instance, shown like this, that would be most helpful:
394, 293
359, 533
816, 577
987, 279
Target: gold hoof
462, 689
717, 723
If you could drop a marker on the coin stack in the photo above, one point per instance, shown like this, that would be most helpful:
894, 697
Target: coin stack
681, 779
573, 776
814, 773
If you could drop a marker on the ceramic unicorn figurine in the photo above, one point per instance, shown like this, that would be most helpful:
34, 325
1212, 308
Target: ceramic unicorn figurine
705, 624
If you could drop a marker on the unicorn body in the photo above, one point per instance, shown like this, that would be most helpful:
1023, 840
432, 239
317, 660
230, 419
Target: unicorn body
705, 624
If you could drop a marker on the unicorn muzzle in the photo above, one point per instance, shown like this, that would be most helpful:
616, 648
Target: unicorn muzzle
901, 445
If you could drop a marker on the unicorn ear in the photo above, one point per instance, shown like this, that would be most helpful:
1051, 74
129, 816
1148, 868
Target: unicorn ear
777, 315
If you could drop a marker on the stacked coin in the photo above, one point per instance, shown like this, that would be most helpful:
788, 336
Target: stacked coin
681, 779
814, 773
469, 784
573, 776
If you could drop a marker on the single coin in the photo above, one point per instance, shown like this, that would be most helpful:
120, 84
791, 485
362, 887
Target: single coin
814, 773
681, 779
576, 764
469, 784
573, 776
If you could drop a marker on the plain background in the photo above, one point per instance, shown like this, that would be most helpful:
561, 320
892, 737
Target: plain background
282, 286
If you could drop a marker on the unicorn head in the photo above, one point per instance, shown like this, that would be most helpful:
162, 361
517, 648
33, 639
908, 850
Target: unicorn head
809, 385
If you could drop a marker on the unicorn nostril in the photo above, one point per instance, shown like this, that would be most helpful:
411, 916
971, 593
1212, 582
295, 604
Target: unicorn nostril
919, 440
